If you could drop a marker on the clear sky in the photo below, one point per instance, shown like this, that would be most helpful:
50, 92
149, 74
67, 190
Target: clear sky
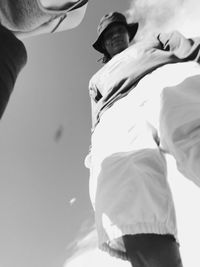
44, 137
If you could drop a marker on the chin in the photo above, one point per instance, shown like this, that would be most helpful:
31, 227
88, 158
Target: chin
119, 50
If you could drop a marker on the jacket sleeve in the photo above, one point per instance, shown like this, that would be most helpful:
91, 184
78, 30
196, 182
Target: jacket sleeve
13, 58
176, 43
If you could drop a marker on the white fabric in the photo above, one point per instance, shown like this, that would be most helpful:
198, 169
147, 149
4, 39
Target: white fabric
56, 4
128, 174
27, 18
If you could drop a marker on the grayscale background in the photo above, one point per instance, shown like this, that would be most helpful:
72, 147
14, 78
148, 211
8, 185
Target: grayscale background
45, 211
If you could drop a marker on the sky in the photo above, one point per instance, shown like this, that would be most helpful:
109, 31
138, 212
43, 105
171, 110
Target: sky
46, 218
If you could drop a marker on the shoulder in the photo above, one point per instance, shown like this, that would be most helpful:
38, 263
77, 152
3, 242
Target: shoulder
97, 76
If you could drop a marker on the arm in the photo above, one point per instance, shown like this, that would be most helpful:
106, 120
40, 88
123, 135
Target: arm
175, 42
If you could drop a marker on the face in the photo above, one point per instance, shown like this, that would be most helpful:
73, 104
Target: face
116, 39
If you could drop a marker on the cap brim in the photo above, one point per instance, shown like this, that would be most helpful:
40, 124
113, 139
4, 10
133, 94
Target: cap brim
132, 29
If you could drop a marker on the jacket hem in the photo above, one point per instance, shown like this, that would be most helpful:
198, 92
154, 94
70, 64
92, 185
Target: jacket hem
114, 244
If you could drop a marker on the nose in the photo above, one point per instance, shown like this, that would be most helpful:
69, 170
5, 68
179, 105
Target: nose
115, 35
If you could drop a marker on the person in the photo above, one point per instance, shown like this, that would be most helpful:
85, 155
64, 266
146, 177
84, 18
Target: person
21, 19
145, 103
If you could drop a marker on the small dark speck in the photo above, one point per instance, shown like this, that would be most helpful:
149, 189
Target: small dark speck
59, 133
